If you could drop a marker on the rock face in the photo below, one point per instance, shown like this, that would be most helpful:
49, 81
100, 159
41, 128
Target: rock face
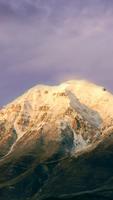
55, 130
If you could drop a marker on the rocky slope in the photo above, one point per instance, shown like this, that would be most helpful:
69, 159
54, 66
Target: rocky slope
56, 136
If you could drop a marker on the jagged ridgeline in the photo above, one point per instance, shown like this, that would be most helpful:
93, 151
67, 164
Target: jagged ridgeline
56, 142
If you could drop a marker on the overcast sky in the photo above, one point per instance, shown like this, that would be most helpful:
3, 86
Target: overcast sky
50, 41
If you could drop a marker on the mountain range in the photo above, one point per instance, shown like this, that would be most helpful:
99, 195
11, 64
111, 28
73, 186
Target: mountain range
56, 142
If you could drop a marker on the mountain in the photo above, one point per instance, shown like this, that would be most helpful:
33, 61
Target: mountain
56, 142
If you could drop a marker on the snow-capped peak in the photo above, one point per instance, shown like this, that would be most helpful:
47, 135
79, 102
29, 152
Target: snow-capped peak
84, 109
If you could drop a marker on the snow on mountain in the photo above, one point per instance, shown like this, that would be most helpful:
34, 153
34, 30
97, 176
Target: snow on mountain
73, 113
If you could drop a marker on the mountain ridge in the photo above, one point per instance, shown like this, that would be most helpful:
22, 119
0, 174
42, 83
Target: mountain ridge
52, 124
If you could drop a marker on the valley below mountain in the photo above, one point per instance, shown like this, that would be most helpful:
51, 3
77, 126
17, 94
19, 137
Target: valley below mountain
56, 142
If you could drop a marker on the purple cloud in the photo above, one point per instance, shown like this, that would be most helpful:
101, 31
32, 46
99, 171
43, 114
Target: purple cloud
53, 40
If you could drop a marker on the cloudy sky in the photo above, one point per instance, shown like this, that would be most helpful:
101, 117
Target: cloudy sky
50, 41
